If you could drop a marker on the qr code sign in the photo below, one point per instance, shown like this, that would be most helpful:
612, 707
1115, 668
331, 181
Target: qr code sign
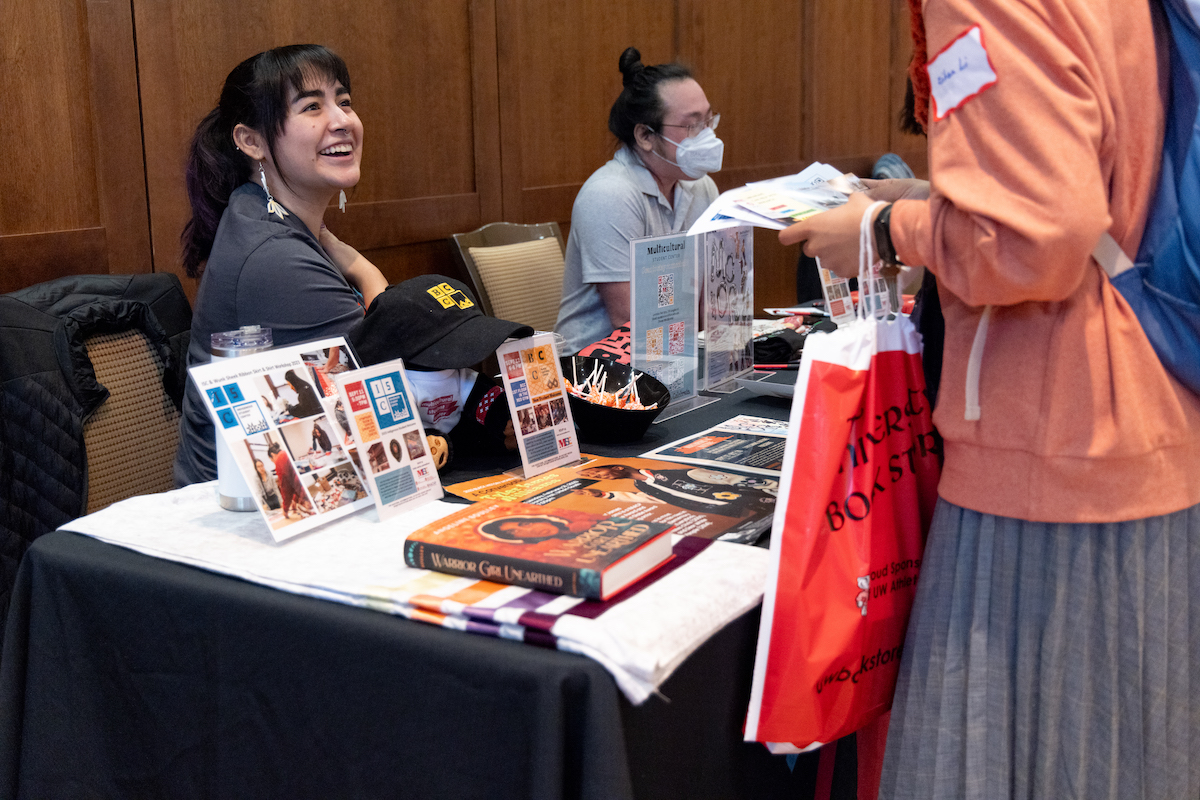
654, 342
666, 290
675, 339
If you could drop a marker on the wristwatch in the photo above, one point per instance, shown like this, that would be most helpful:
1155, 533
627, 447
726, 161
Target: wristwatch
883, 237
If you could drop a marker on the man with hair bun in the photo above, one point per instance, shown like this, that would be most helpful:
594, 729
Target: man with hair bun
656, 184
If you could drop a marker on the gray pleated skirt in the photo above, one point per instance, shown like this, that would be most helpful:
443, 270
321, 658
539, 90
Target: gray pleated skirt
1051, 661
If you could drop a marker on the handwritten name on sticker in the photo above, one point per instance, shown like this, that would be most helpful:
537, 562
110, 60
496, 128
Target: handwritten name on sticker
959, 72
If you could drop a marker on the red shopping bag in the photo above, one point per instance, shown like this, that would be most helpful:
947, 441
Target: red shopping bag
857, 494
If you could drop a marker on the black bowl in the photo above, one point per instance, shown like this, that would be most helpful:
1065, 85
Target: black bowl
605, 424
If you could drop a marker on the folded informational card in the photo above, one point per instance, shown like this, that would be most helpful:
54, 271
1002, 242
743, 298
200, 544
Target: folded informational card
281, 417
387, 428
537, 398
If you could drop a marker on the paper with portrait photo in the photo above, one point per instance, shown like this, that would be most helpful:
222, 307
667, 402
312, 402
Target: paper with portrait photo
537, 399
714, 503
386, 427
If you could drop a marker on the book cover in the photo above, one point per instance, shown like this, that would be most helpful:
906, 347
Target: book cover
559, 550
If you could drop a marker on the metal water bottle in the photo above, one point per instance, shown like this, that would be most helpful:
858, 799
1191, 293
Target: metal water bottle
234, 494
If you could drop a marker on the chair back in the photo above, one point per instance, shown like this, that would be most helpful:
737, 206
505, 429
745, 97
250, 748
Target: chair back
131, 439
516, 270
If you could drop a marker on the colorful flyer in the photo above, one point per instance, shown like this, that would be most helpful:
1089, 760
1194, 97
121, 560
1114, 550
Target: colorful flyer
837, 295
748, 444
537, 398
697, 500
727, 260
288, 432
663, 303
386, 426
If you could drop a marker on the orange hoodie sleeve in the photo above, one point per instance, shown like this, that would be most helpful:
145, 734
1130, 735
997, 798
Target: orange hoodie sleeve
1019, 197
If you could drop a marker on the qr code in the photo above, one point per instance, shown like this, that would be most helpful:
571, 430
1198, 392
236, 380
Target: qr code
666, 290
654, 342
675, 339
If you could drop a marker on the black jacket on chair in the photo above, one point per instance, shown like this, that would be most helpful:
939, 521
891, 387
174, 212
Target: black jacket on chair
48, 389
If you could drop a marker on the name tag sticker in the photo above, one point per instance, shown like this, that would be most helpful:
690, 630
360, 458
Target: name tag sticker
960, 72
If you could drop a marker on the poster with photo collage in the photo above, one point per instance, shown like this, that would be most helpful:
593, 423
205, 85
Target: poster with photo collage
537, 398
287, 430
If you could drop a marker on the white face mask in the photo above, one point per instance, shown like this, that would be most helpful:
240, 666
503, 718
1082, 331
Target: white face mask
698, 155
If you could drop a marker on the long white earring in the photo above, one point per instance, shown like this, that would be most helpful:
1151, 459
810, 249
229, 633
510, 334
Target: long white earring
272, 206
342, 200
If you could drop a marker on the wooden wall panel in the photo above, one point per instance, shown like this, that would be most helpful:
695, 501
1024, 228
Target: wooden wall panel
847, 66
72, 194
474, 111
558, 79
751, 65
420, 83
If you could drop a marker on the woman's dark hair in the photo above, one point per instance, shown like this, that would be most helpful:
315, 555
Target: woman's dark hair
256, 94
296, 381
640, 102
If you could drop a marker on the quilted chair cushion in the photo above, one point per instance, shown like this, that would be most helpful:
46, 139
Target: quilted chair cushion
523, 281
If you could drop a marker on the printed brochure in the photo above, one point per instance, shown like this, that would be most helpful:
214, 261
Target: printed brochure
744, 443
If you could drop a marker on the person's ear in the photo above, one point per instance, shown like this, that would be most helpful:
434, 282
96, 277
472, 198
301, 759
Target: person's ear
250, 141
644, 136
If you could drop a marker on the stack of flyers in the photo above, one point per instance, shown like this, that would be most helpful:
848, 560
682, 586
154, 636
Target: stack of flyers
779, 202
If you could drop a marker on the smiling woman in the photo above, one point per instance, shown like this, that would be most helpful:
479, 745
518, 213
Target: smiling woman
263, 168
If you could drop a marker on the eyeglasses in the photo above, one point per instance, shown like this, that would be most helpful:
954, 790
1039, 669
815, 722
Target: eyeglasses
711, 123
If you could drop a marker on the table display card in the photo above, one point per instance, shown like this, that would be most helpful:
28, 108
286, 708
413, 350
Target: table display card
387, 428
537, 398
287, 433
663, 305
727, 261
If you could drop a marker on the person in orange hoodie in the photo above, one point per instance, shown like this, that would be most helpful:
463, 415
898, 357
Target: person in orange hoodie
1054, 647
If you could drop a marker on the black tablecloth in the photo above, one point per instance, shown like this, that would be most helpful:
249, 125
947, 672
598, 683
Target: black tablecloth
125, 676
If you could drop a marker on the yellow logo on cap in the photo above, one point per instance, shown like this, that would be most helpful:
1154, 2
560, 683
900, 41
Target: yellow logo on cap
448, 296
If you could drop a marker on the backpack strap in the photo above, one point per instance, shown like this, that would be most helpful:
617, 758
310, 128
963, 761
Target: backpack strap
1110, 256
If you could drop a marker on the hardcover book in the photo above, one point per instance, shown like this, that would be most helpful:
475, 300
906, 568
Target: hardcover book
553, 549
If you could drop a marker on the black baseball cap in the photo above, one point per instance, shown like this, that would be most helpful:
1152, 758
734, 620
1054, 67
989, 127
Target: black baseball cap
430, 321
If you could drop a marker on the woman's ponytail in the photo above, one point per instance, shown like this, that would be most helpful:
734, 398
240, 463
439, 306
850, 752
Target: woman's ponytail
214, 169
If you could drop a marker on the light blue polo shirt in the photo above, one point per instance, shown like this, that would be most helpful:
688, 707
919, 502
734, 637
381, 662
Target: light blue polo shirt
619, 202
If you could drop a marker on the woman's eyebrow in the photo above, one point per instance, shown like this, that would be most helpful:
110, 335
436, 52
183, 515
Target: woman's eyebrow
308, 93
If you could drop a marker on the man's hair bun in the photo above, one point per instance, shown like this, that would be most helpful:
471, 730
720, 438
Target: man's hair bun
630, 64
